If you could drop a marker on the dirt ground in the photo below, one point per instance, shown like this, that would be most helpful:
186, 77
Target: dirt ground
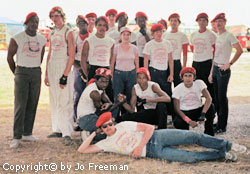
53, 153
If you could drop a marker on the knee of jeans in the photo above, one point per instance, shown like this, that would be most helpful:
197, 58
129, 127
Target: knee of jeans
179, 123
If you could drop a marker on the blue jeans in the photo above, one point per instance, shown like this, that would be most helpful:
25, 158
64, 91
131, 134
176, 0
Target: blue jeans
220, 84
79, 86
159, 146
123, 83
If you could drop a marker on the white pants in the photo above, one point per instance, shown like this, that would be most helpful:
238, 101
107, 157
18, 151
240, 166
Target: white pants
61, 100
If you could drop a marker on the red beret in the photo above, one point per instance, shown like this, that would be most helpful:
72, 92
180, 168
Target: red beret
188, 70
201, 15
103, 72
56, 9
164, 21
157, 27
29, 16
106, 116
220, 16
174, 15
81, 17
212, 20
119, 15
111, 12
143, 71
141, 14
91, 15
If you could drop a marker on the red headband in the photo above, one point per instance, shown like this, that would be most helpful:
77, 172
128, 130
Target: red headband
106, 116
143, 71
29, 16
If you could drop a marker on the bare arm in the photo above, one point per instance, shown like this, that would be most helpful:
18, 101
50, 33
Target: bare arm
137, 61
42, 53
112, 64
87, 148
12, 50
131, 108
185, 52
46, 80
171, 67
111, 53
84, 57
146, 57
163, 96
208, 100
96, 98
71, 51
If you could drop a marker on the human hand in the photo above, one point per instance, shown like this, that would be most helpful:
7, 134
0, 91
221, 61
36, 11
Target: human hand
136, 153
193, 124
210, 79
46, 81
105, 106
225, 67
170, 78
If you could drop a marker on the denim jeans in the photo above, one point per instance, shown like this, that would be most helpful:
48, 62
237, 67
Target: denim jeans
161, 142
123, 82
79, 86
220, 84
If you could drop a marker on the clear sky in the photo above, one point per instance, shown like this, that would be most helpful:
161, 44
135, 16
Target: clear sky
237, 11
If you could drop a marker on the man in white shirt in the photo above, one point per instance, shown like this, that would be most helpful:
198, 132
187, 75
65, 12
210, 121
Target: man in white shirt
188, 104
220, 72
91, 17
29, 49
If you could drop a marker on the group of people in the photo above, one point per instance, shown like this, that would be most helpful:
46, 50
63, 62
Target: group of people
129, 74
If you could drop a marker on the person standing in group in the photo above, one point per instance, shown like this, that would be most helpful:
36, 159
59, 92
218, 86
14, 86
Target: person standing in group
111, 15
179, 42
80, 80
220, 72
29, 48
142, 35
165, 24
97, 49
202, 43
91, 18
213, 25
59, 77
124, 64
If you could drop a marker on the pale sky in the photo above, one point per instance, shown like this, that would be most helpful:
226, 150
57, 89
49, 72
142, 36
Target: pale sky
237, 12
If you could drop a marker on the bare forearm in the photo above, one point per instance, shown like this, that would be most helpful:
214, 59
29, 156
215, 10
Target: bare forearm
159, 99
86, 143
128, 108
184, 61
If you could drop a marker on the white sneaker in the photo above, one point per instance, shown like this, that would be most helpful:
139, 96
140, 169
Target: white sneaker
84, 135
29, 138
14, 143
239, 148
231, 157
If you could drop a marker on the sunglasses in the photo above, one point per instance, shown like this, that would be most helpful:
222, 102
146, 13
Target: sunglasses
108, 124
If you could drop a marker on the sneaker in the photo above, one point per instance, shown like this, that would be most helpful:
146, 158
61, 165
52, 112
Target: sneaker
84, 135
230, 157
239, 148
14, 143
29, 138
67, 141
55, 135
220, 131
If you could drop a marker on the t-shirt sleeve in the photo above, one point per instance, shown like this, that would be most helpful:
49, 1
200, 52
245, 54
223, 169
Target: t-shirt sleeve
184, 39
212, 38
201, 84
146, 49
176, 93
128, 125
233, 39
103, 144
16, 38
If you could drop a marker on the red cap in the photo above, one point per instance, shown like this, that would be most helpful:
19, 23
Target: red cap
174, 15
202, 15
188, 70
141, 14
213, 20
119, 15
143, 71
106, 116
91, 15
29, 16
165, 22
81, 17
157, 27
103, 72
220, 16
111, 12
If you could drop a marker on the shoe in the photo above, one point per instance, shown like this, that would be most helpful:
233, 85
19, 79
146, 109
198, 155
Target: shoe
239, 148
55, 135
77, 128
219, 131
84, 135
230, 157
14, 143
29, 138
67, 141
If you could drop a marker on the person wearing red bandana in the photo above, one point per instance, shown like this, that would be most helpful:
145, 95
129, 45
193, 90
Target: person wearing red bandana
111, 15
91, 18
59, 77
28, 46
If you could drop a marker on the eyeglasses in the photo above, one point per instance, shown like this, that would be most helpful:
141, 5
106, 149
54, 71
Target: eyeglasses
104, 126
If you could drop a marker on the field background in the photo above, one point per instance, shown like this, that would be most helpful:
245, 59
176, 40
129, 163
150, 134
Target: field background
52, 151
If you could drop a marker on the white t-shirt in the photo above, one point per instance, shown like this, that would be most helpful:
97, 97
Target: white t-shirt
99, 50
141, 41
86, 105
116, 36
147, 94
177, 40
190, 98
25, 57
158, 53
111, 29
223, 47
79, 45
124, 141
203, 43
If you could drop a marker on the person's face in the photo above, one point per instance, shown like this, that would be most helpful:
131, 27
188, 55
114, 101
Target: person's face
108, 128
174, 22
101, 27
122, 21
57, 19
102, 83
202, 22
158, 34
220, 24
213, 24
188, 79
91, 20
32, 24
142, 79
125, 36
111, 18
141, 22
82, 25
